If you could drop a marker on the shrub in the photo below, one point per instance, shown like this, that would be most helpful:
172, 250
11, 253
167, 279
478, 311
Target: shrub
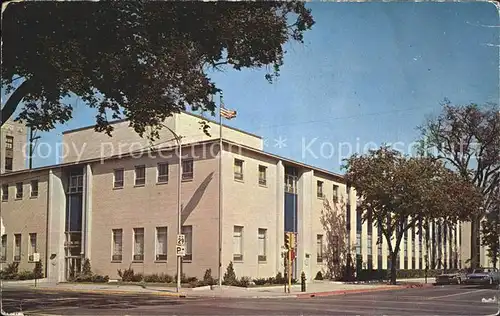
26, 275
262, 281
10, 271
38, 270
96, 278
86, 268
127, 275
319, 276
139, 277
207, 278
279, 279
244, 282
230, 276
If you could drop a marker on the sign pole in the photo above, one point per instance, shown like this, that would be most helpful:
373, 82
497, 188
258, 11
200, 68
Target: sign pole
289, 270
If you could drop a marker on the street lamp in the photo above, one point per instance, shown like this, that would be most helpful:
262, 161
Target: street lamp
179, 208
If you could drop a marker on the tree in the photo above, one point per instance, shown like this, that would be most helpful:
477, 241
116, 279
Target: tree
337, 249
398, 192
467, 139
141, 60
490, 229
230, 276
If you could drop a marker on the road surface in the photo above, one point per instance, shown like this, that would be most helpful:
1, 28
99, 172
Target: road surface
445, 300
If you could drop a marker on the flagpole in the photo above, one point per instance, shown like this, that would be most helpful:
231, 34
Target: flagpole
220, 192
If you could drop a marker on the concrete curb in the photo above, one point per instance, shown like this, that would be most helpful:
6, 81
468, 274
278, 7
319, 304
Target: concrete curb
354, 291
112, 292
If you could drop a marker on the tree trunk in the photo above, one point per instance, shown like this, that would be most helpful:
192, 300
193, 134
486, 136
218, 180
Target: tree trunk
394, 259
14, 100
474, 245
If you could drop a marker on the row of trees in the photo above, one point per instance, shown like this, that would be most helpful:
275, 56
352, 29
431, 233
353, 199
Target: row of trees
455, 177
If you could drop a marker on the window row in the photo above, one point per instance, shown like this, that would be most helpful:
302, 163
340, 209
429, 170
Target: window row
320, 192
20, 190
18, 247
238, 241
9, 148
162, 171
238, 172
161, 244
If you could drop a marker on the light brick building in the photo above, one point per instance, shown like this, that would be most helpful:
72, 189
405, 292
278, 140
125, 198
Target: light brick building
114, 201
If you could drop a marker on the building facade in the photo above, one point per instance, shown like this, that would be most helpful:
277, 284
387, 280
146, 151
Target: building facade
114, 201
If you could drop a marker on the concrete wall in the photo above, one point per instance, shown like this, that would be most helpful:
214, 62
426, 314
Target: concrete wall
25, 215
154, 205
251, 205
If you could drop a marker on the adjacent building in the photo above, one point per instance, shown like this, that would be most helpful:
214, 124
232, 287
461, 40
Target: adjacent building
114, 200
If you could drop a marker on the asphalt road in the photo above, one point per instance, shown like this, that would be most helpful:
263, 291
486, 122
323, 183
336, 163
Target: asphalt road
446, 300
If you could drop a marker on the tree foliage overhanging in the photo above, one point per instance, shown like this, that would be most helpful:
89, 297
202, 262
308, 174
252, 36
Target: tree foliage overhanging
400, 192
467, 138
137, 60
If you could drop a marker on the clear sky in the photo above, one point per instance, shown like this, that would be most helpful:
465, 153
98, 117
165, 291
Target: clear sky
367, 73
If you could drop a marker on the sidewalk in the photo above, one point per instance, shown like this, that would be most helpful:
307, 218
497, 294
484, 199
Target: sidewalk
313, 289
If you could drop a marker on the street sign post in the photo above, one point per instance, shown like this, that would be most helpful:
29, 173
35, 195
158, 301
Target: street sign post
36, 259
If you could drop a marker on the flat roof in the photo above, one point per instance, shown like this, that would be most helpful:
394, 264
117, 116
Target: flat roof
181, 112
337, 176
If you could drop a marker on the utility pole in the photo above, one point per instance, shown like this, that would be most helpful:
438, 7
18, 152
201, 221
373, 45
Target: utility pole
32, 147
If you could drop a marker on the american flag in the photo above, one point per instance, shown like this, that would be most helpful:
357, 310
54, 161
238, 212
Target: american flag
226, 113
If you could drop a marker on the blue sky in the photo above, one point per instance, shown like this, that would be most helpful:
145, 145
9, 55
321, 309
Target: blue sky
367, 72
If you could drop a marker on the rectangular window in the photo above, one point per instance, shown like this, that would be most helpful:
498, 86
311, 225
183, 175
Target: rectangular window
140, 175
162, 172
17, 247
319, 188
188, 232
290, 184
358, 243
161, 243
335, 193
262, 175
238, 169
9, 142
118, 178
3, 250
369, 245
187, 169
5, 192
117, 245
262, 244
238, 243
32, 247
9, 163
34, 188
138, 244
319, 248
75, 182
19, 190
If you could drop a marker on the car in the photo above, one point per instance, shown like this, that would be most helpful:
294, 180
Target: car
484, 276
451, 278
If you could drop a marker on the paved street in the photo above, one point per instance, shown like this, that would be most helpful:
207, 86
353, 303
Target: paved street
448, 300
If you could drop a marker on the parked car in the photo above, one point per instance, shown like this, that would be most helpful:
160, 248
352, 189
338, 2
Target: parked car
484, 276
451, 278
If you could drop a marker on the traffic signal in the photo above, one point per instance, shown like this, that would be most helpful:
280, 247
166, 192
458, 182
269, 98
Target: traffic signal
288, 240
